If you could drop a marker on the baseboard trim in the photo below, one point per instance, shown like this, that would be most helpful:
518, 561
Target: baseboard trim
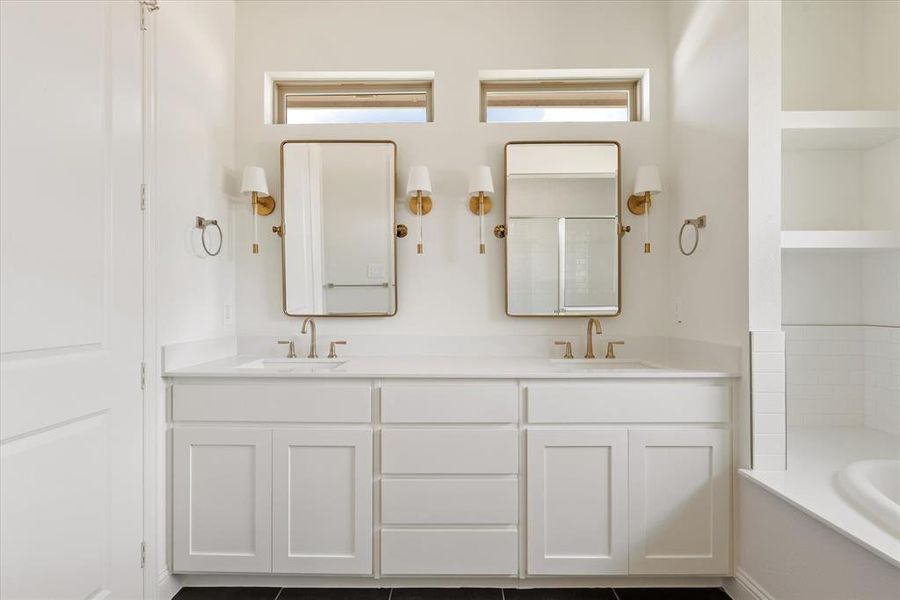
744, 587
167, 586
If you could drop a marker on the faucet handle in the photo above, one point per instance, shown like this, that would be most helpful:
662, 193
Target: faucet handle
610, 353
292, 353
332, 349
568, 346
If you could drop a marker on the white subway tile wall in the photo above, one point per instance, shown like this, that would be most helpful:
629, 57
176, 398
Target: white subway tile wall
843, 375
768, 396
882, 378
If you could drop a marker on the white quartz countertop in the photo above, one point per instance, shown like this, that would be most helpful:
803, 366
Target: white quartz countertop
246, 366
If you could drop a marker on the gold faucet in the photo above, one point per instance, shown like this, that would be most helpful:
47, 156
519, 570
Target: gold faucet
312, 339
592, 322
568, 345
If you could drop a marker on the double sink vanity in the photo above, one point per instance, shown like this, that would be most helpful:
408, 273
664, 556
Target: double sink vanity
372, 470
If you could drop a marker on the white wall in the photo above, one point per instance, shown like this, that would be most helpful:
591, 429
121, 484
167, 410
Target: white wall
708, 169
452, 290
194, 175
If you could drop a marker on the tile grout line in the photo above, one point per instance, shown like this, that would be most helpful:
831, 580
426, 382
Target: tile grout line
278, 595
502, 594
391, 594
615, 594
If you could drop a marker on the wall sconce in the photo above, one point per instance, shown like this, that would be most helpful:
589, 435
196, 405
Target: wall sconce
480, 183
646, 183
254, 183
418, 186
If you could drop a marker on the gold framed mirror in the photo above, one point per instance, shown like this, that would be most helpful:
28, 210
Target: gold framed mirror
338, 228
562, 206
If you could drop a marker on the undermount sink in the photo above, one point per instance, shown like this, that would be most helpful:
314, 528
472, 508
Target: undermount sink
598, 364
293, 365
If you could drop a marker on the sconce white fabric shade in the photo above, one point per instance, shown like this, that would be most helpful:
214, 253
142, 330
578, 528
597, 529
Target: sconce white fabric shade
647, 180
481, 180
419, 181
254, 180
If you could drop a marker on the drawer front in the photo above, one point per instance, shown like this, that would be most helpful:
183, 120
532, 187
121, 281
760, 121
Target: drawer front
449, 451
450, 403
663, 402
450, 501
264, 402
449, 552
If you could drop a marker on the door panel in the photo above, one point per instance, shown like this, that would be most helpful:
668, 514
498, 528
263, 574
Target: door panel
323, 501
222, 500
680, 493
70, 299
577, 496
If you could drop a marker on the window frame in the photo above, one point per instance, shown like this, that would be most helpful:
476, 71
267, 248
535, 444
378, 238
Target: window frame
350, 88
632, 86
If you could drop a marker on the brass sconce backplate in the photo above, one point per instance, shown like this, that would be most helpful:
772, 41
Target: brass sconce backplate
265, 205
638, 204
473, 204
426, 205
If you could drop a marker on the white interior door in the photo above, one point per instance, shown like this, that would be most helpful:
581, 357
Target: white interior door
322, 482
577, 501
680, 499
70, 300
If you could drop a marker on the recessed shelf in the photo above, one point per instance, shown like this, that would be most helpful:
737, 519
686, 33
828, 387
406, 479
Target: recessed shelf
838, 240
838, 129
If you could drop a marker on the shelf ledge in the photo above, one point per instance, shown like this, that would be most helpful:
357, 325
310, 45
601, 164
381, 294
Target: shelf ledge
839, 239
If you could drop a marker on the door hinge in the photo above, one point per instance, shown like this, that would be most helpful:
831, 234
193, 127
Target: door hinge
143, 375
143, 554
143, 196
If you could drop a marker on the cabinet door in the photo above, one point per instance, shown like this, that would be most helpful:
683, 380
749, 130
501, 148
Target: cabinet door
323, 501
577, 498
680, 495
222, 500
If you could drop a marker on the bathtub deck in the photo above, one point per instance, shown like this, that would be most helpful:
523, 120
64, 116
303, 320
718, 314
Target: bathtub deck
815, 455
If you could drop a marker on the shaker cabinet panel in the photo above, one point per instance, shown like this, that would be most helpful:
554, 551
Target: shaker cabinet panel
323, 501
222, 500
577, 501
680, 498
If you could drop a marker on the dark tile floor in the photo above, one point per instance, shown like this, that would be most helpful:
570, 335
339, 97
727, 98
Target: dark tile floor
220, 593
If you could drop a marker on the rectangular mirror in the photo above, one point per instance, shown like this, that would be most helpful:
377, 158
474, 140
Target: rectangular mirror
338, 244
562, 229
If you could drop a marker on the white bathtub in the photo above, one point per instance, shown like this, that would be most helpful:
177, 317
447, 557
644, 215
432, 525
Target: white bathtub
874, 486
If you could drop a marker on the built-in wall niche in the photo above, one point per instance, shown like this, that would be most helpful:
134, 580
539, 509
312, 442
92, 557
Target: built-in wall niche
840, 55
840, 154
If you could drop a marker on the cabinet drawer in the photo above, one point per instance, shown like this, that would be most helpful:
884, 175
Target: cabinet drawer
264, 402
449, 552
629, 403
449, 451
450, 501
450, 403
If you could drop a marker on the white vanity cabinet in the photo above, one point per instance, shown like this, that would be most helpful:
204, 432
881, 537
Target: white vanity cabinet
277, 479
629, 477
577, 501
449, 484
679, 484
222, 499
450, 477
